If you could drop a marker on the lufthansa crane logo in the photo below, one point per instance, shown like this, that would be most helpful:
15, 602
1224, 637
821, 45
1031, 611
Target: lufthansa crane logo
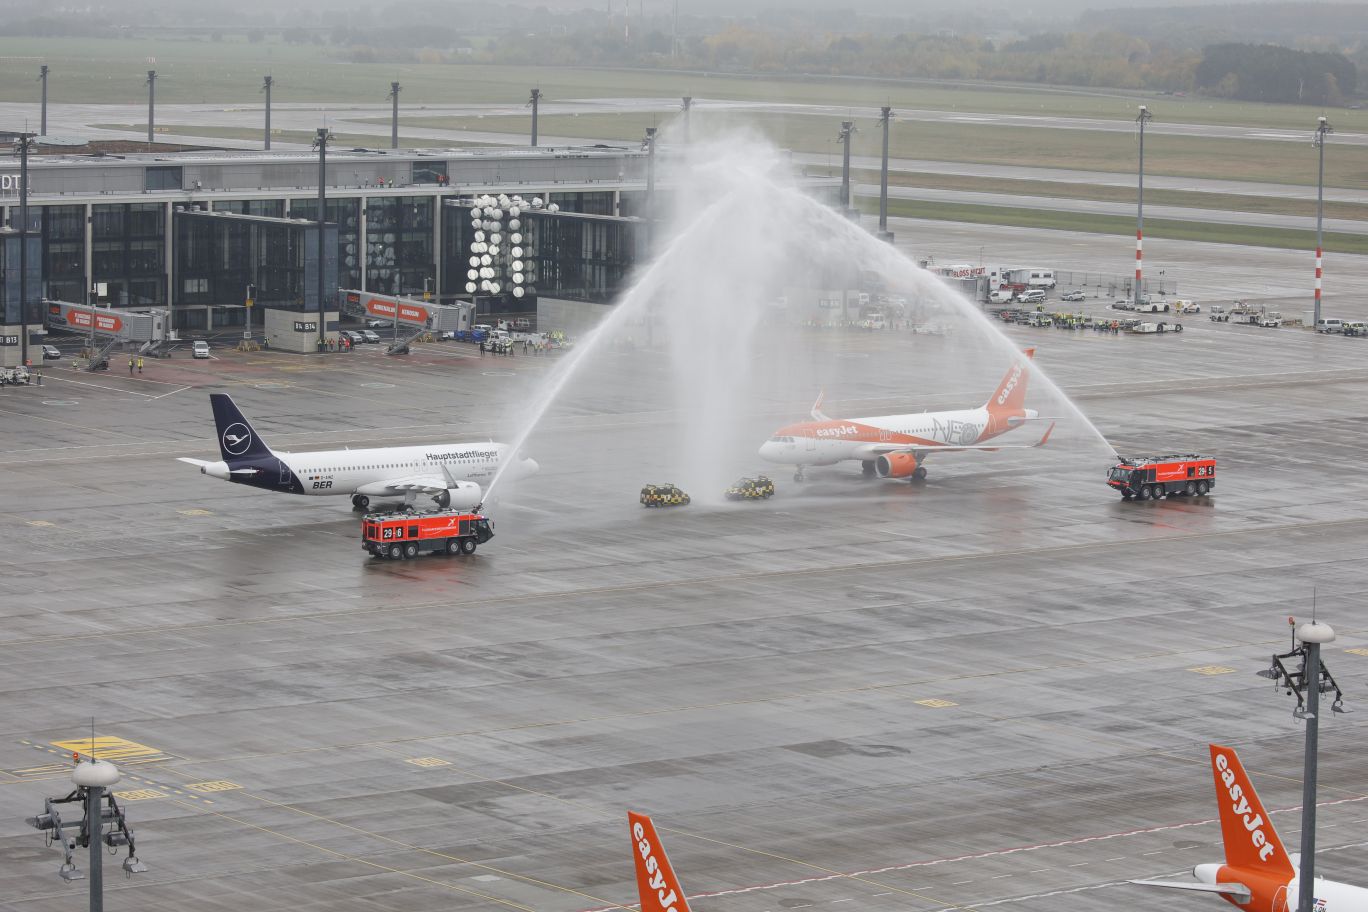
236, 439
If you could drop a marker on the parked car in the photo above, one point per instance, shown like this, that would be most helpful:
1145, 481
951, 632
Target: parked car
1073, 296
376, 324
1034, 296
1186, 307
1126, 304
199, 348
353, 336
370, 335
1329, 326
1356, 328
51, 353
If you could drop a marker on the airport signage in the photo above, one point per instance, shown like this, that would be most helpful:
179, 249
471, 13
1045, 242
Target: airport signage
10, 184
306, 326
407, 313
9, 340
79, 316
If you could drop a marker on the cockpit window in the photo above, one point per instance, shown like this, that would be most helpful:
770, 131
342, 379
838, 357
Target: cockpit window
781, 439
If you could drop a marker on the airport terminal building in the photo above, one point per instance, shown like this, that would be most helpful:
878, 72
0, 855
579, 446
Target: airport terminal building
190, 231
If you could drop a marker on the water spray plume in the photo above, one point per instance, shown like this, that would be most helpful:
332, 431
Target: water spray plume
743, 316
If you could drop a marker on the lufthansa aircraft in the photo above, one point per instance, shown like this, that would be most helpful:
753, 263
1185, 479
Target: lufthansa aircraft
894, 446
1258, 872
447, 472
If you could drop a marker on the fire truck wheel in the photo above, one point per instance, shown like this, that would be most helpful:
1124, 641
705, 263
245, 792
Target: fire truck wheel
1202, 488
453, 546
410, 550
1142, 493
1156, 492
467, 546
394, 552
1189, 489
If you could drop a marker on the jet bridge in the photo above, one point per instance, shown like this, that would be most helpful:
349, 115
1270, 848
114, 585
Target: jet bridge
412, 318
107, 327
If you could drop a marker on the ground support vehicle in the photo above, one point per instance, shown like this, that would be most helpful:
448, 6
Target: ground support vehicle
1152, 477
1146, 327
663, 495
400, 536
1186, 306
758, 488
15, 376
1219, 314
1243, 313
1271, 319
1356, 328
1330, 325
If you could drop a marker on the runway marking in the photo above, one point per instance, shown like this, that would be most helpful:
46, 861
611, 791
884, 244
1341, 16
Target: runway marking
428, 761
935, 704
39, 522
173, 392
1213, 670
1358, 651
139, 795
195, 512
108, 747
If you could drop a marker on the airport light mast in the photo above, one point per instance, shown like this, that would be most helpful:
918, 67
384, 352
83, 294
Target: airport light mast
151, 104
94, 780
321, 139
1323, 128
1144, 118
22, 145
886, 118
534, 101
42, 77
686, 107
395, 88
847, 130
1306, 644
266, 84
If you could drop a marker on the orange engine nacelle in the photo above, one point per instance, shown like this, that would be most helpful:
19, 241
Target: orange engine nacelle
896, 465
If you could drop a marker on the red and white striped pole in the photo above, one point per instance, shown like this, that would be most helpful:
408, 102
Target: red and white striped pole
1322, 127
1144, 117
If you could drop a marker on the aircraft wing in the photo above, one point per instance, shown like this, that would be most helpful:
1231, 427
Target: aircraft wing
1238, 890
883, 449
421, 484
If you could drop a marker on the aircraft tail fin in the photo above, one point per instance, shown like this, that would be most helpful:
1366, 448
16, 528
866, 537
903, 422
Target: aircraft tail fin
656, 881
1010, 396
237, 438
1251, 843
817, 413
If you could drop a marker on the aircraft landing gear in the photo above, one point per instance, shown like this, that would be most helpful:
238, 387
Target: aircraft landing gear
867, 468
919, 474
443, 500
360, 502
798, 475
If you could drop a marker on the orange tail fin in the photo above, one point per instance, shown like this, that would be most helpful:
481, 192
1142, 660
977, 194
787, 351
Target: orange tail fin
1010, 396
656, 881
1251, 842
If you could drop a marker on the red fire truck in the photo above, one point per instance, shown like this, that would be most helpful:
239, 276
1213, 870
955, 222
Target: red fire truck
397, 536
1152, 477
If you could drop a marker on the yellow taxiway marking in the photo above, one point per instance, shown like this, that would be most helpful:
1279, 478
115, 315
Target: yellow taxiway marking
40, 522
108, 747
428, 761
195, 512
213, 785
935, 704
1358, 651
1213, 670
139, 795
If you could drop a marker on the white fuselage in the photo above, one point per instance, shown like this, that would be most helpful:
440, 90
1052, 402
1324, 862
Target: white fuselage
1335, 896
821, 443
347, 471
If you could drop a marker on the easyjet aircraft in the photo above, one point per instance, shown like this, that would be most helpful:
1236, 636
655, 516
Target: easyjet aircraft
447, 472
657, 884
1258, 873
894, 446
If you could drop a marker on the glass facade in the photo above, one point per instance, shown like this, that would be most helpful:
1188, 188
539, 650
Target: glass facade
9, 290
346, 214
592, 202
63, 232
271, 208
217, 258
127, 251
398, 244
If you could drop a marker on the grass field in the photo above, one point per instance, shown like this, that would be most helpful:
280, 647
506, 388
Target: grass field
111, 71
1178, 156
1120, 225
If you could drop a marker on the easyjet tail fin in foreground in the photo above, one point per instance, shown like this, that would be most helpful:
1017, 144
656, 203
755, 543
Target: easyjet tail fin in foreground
1251, 843
656, 881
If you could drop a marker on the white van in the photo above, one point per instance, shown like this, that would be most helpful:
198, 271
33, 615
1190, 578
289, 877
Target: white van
1034, 296
1000, 295
1329, 326
199, 348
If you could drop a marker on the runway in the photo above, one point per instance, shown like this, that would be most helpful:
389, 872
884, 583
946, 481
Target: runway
993, 690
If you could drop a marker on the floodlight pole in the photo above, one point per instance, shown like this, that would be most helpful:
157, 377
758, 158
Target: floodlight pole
394, 115
687, 107
1144, 118
42, 77
151, 103
266, 87
535, 101
25, 142
1322, 129
321, 138
886, 116
1307, 683
847, 128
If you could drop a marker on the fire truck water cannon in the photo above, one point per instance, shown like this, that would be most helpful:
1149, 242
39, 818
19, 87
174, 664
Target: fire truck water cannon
1153, 477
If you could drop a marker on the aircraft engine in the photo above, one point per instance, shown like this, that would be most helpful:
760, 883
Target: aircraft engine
896, 465
463, 495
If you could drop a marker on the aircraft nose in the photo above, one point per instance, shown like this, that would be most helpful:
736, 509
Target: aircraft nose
530, 466
769, 450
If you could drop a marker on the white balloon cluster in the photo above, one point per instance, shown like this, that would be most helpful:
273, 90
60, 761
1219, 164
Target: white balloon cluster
490, 217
